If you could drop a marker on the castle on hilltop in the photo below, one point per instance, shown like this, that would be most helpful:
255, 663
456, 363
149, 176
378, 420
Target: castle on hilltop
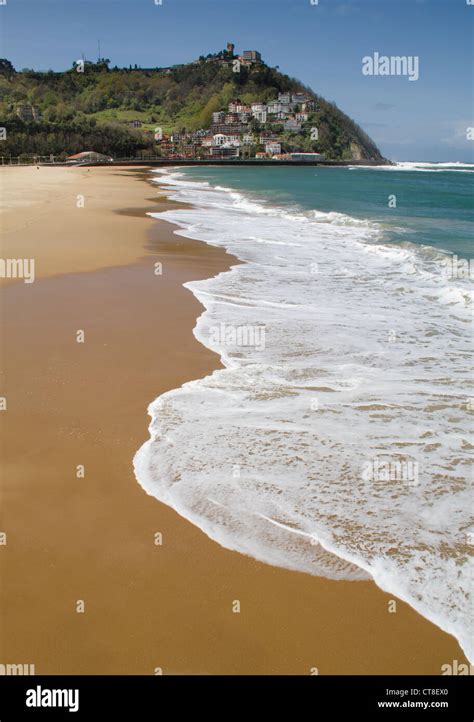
228, 57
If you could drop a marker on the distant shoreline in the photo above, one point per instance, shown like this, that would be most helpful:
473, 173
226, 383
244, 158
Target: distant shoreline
266, 163
202, 163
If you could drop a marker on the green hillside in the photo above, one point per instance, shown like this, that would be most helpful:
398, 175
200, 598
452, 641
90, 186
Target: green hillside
93, 109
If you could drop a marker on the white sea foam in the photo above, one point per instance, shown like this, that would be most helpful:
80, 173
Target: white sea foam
421, 166
365, 363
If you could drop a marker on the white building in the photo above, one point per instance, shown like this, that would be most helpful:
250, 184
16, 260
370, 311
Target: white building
258, 107
260, 116
237, 106
273, 107
273, 148
277, 107
219, 139
233, 141
225, 141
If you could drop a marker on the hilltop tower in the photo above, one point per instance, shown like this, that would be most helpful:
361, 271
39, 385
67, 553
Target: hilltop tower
230, 48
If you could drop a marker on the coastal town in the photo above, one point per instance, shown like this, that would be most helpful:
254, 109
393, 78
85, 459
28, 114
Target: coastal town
225, 106
246, 130
242, 130
239, 130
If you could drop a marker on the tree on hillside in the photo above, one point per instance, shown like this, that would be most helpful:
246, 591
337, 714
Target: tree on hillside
6, 68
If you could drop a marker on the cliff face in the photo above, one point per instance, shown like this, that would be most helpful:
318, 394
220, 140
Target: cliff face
357, 152
96, 109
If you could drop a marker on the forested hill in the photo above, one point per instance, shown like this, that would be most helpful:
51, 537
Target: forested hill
117, 110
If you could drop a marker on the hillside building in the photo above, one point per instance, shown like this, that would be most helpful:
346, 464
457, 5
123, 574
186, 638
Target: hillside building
252, 56
273, 148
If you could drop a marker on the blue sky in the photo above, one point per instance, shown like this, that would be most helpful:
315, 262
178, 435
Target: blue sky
322, 45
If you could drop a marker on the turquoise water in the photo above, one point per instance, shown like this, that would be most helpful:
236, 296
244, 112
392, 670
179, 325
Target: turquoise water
434, 202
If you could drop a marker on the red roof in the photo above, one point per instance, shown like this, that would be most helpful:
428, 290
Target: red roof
81, 155
85, 153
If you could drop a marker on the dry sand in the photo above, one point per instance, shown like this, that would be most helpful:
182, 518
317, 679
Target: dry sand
92, 538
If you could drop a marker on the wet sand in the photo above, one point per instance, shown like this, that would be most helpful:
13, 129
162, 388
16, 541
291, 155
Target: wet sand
69, 538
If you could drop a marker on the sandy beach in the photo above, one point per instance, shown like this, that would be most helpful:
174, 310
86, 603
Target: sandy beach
91, 537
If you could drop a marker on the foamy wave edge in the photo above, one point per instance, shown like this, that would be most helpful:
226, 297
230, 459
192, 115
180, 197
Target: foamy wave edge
141, 459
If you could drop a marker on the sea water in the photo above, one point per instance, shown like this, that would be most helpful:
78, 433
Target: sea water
337, 439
